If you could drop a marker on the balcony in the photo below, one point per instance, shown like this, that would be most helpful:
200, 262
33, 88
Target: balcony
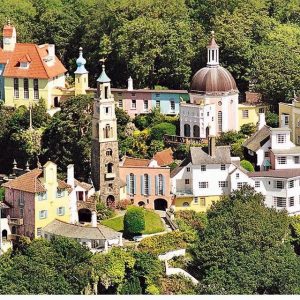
110, 175
15, 221
184, 193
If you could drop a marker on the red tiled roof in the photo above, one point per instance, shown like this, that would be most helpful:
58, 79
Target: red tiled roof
164, 158
136, 162
38, 68
30, 182
7, 31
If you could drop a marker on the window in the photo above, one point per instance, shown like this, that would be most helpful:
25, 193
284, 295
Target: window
278, 184
110, 168
21, 198
237, 175
223, 167
43, 214
188, 169
267, 154
145, 105
160, 185
281, 138
187, 181
36, 89
281, 160
257, 184
202, 201
196, 200
291, 184
241, 184
133, 104
133, 94
60, 193
245, 113
105, 92
146, 184
21, 212
296, 159
157, 95
107, 131
220, 103
203, 167
261, 110
39, 231
285, 119
203, 184
60, 211
24, 65
220, 120
223, 184
172, 105
106, 110
185, 204
26, 88
291, 201
120, 103
16, 88
42, 196
279, 201
131, 184
109, 152
157, 104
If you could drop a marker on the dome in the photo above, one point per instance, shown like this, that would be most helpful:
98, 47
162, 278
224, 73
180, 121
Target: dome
213, 81
80, 62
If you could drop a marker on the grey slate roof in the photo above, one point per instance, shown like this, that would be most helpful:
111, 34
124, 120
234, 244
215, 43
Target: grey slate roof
293, 150
200, 157
281, 173
101, 232
258, 139
184, 163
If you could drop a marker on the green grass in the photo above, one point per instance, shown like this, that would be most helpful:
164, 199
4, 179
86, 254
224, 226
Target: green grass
153, 223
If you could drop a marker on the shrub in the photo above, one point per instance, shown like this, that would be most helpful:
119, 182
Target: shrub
161, 244
158, 131
248, 129
247, 165
131, 286
134, 220
272, 119
123, 204
141, 122
104, 212
152, 290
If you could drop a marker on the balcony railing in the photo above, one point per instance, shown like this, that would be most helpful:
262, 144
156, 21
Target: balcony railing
176, 139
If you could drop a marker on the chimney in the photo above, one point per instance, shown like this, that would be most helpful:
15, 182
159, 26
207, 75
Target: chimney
94, 219
51, 52
212, 146
261, 121
70, 177
130, 84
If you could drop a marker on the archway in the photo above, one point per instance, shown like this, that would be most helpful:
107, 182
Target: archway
141, 203
85, 215
56, 102
110, 201
187, 130
207, 132
196, 131
160, 204
4, 234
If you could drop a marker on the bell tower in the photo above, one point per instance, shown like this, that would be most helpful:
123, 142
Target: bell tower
81, 75
105, 152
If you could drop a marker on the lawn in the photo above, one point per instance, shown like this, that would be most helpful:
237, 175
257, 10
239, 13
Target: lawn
153, 223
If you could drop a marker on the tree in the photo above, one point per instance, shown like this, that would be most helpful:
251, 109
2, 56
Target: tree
131, 286
272, 119
247, 165
246, 248
155, 146
247, 129
134, 220
158, 131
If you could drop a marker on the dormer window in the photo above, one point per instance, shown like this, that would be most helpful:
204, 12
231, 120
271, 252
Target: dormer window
24, 65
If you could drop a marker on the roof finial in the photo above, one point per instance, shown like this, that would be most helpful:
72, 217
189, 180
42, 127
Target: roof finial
27, 166
212, 33
103, 62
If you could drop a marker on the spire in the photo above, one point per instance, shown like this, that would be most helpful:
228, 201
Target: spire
212, 52
103, 77
27, 167
80, 63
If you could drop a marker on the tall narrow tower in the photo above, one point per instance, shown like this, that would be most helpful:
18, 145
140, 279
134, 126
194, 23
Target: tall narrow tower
81, 75
105, 153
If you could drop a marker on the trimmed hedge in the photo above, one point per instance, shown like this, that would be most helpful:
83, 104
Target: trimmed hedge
134, 220
161, 244
247, 165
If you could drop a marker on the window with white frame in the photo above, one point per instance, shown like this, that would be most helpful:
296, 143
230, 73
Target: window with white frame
43, 214
286, 119
131, 184
203, 167
26, 88
237, 175
39, 231
160, 185
223, 184
223, 167
245, 113
146, 105
157, 104
261, 110
188, 169
279, 201
133, 104
220, 121
281, 160
42, 196
296, 159
172, 105
61, 211
36, 89
267, 154
291, 201
146, 184
196, 200
120, 103
278, 184
281, 138
291, 184
257, 184
16, 88
187, 181
241, 184
203, 184
60, 193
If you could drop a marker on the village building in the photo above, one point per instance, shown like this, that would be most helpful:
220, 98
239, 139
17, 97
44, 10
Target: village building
29, 72
147, 183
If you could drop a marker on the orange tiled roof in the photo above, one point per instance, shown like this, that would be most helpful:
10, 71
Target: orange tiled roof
30, 182
38, 68
164, 158
136, 162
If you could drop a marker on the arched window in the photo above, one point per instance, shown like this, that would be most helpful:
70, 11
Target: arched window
146, 184
187, 130
160, 184
109, 152
196, 131
131, 183
109, 168
107, 131
185, 204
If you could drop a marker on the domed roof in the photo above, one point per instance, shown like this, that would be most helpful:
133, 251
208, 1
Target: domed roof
214, 81
80, 62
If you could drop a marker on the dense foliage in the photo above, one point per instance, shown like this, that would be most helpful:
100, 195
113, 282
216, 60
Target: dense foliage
247, 165
134, 220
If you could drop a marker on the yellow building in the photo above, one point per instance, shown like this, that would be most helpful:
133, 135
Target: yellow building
289, 116
28, 72
37, 198
198, 204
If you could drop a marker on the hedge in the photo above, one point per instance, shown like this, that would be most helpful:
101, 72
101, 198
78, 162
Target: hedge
134, 220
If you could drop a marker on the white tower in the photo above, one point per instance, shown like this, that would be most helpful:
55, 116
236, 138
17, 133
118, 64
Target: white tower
212, 52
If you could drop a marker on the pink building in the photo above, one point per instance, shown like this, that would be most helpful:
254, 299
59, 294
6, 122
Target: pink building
147, 184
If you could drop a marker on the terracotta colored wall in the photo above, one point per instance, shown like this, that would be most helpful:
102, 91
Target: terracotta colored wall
272, 160
152, 172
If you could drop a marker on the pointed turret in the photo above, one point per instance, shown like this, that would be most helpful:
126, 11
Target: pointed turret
103, 78
81, 75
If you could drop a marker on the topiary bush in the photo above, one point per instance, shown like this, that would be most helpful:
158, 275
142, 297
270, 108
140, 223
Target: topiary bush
247, 165
134, 220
